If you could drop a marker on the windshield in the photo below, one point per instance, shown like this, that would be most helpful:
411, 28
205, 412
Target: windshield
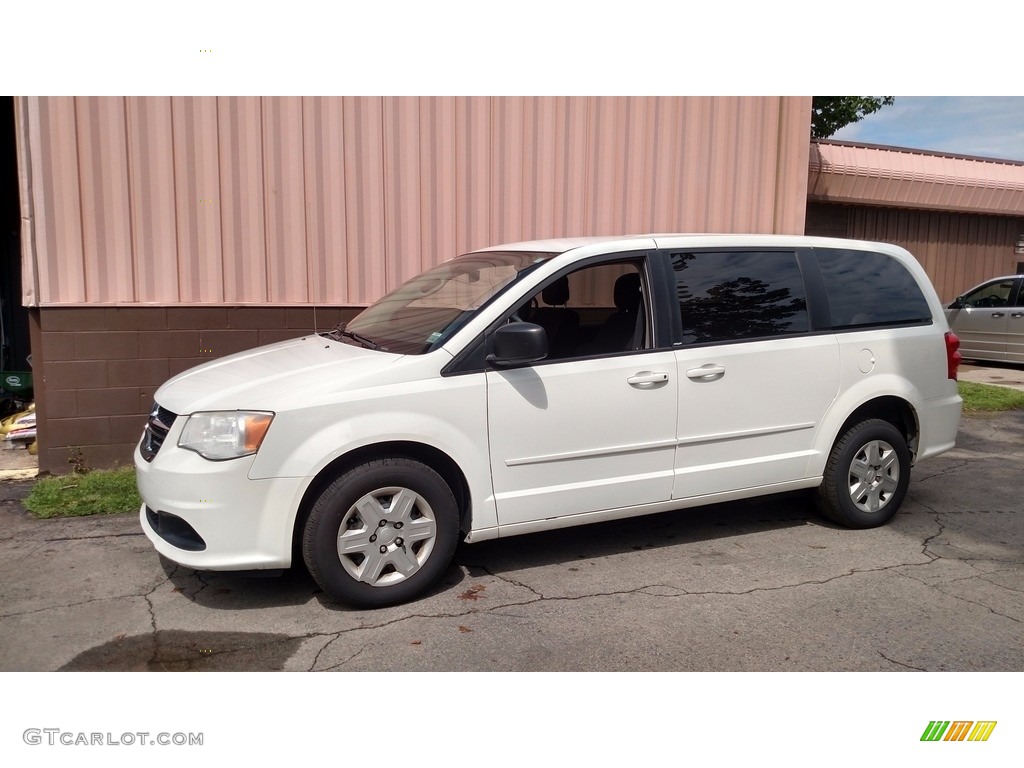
423, 313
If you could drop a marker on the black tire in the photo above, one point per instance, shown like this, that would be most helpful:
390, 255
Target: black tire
866, 477
400, 499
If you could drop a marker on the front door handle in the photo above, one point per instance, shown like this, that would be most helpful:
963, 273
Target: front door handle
998, 314
708, 372
647, 379
1017, 314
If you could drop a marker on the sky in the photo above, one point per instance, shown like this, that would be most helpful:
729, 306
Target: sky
987, 126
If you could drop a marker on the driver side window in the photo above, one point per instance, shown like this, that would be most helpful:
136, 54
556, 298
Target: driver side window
596, 310
991, 295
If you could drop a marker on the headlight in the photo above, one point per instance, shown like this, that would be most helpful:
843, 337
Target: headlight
220, 435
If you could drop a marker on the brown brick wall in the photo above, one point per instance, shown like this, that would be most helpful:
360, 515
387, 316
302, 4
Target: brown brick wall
96, 368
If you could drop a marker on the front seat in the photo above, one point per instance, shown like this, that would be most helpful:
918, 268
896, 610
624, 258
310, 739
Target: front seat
561, 324
623, 330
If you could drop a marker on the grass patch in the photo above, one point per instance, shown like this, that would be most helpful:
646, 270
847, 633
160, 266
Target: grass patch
101, 492
987, 397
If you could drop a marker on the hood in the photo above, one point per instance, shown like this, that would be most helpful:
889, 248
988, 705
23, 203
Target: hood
273, 377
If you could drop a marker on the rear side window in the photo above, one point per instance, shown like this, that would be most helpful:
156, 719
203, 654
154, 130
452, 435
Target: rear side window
867, 288
735, 295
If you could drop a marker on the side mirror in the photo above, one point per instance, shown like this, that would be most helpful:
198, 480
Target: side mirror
518, 344
958, 303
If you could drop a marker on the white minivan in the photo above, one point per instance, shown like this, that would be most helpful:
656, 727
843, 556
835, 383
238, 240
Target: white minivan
546, 384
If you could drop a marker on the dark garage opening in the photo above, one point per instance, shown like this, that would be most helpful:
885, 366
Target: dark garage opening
14, 334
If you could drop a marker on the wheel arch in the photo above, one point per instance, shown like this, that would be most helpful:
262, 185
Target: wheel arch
890, 408
428, 455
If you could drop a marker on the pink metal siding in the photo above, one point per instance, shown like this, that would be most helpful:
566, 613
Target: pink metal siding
890, 176
55, 203
196, 200
103, 182
335, 200
28, 166
242, 221
363, 213
153, 223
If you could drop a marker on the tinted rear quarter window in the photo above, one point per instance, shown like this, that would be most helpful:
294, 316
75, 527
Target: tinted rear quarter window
866, 288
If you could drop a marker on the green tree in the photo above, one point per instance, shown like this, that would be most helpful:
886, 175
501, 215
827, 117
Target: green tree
830, 113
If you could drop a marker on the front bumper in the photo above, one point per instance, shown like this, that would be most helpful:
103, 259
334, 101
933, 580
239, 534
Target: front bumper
228, 522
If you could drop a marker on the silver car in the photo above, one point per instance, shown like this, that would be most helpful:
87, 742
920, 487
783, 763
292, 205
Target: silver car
989, 319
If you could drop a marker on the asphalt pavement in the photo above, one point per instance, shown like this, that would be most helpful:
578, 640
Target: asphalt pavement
760, 585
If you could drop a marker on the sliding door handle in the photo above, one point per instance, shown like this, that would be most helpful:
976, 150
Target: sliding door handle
709, 372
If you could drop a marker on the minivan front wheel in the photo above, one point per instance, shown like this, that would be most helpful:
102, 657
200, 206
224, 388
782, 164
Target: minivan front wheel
381, 533
866, 477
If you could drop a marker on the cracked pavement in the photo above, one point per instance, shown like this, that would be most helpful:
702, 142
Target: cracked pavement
749, 586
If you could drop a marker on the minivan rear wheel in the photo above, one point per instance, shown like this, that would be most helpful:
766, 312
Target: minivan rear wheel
866, 477
381, 533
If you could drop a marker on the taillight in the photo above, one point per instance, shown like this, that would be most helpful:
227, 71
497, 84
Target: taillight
953, 356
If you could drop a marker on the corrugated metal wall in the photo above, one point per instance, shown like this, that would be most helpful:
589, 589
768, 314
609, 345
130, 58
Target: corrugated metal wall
287, 200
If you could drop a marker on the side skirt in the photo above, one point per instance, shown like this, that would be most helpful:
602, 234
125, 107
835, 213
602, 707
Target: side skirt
553, 523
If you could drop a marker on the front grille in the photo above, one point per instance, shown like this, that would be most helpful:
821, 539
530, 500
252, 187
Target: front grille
159, 424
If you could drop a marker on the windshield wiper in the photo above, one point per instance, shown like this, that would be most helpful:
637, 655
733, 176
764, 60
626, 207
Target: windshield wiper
368, 343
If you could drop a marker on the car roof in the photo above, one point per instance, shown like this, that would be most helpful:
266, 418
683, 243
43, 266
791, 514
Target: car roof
564, 244
557, 244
